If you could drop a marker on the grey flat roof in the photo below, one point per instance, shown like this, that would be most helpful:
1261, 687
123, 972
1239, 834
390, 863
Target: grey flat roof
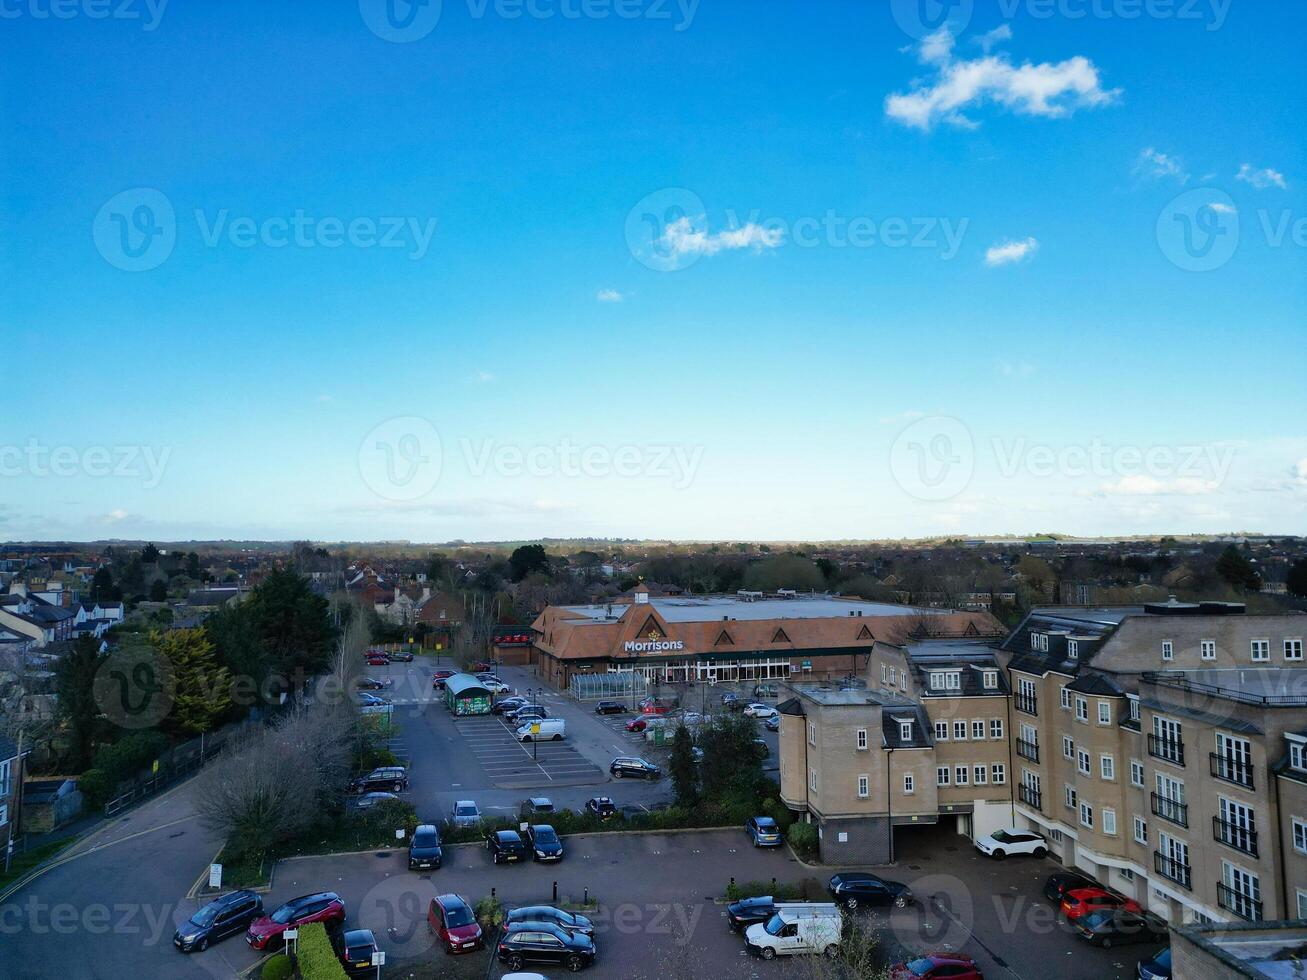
704, 609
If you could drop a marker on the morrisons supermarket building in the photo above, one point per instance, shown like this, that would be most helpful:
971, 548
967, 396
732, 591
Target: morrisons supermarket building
732, 638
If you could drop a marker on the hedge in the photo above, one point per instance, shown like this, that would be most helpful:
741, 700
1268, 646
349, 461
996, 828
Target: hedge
803, 838
316, 956
280, 967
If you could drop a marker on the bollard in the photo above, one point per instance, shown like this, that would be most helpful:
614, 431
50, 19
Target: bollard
586, 899
555, 893
773, 885
492, 894
732, 881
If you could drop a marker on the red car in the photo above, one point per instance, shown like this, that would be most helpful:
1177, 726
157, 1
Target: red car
378, 660
1082, 901
656, 706
439, 677
637, 725
318, 907
451, 920
955, 966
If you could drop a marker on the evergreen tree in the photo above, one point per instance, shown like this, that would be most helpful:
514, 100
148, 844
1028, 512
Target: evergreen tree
1297, 578
201, 687
75, 685
684, 770
1238, 571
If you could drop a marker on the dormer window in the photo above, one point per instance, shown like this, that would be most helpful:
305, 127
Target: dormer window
946, 680
1296, 756
1034, 640
1072, 650
990, 679
905, 731
1168, 650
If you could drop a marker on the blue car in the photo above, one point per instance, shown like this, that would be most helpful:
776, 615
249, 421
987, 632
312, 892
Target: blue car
763, 831
1158, 968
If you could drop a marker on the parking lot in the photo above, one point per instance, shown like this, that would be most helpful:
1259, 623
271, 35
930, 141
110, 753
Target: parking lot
512, 764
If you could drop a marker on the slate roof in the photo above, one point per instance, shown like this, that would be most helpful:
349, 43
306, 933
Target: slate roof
1094, 683
921, 727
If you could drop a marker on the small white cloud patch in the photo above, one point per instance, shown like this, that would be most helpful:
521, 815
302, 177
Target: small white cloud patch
1006, 253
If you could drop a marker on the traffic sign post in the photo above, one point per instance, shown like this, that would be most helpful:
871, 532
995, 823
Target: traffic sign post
378, 960
291, 936
215, 876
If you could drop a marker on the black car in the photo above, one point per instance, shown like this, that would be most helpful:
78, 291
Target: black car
1158, 968
610, 708
402, 656
772, 724
749, 912
357, 947
543, 942
503, 706
543, 841
1062, 882
527, 711
732, 702
392, 778
219, 919
856, 890
547, 913
505, 846
1117, 927
624, 766
371, 684
424, 848
535, 806
601, 806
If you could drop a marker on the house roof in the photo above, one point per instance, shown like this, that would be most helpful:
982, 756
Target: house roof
1092, 682
890, 717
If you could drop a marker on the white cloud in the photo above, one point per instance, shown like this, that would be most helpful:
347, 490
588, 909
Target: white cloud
990, 39
609, 296
1300, 473
1220, 207
1021, 369
1261, 179
115, 516
484, 377
682, 238
1006, 253
1048, 89
1141, 485
1153, 163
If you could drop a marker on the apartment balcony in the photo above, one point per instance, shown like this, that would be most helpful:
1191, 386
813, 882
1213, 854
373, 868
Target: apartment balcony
1028, 750
1244, 906
1169, 809
1235, 835
1232, 770
1028, 703
1030, 796
1171, 750
1168, 867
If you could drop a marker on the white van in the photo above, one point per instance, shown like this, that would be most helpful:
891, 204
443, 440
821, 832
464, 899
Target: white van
542, 730
813, 927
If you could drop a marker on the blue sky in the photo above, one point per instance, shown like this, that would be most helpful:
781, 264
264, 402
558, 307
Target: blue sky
713, 270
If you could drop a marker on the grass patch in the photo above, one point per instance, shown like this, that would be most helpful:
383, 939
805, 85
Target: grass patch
28, 860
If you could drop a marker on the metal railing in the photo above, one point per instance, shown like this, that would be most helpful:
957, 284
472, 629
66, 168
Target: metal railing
1028, 703
1028, 750
1030, 796
1211, 690
1235, 835
1244, 906
1232, 770
1169, 867
1169, 809
1171, 750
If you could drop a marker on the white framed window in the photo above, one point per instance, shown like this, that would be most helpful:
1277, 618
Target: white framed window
864, 787
1107, 767
1034, 640
1296, 755
941, 776
1073, 649
959, 731
990, 679
1207, 649
905, 732
1109, 822
1141, 830
1168, 650
1302, 903
812, 733
884, 669
1133, 701
1069, 796
862, 738
998, 774
4, 814
978, 775
1068, 747
960, 776
903, 679
1293, 649
1299, 835
996, 728
1104, 712
1136, 773
812, 780
909, 784
1126, 874
1082, 709
6, 779
1066, 698
978, 730
941, 731
1082, 762
1086, 816
1261, 650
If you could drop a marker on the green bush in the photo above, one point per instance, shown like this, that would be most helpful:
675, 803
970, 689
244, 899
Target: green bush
803, 838
779, 890
315, 955
280, 967
490, 914
115, 764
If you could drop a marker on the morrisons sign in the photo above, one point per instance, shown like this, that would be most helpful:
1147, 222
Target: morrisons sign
652, 646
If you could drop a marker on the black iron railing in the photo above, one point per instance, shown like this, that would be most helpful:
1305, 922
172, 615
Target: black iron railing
1232, 770
1029, 703
1170, 749
1235, 835
1030, 796
1169, 809
1242, 905
1169, 867
1028, 750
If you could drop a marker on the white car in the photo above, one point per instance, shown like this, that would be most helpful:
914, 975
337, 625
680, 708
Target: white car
1001, 843
466, 814
692, 718
496, 687
757, 710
